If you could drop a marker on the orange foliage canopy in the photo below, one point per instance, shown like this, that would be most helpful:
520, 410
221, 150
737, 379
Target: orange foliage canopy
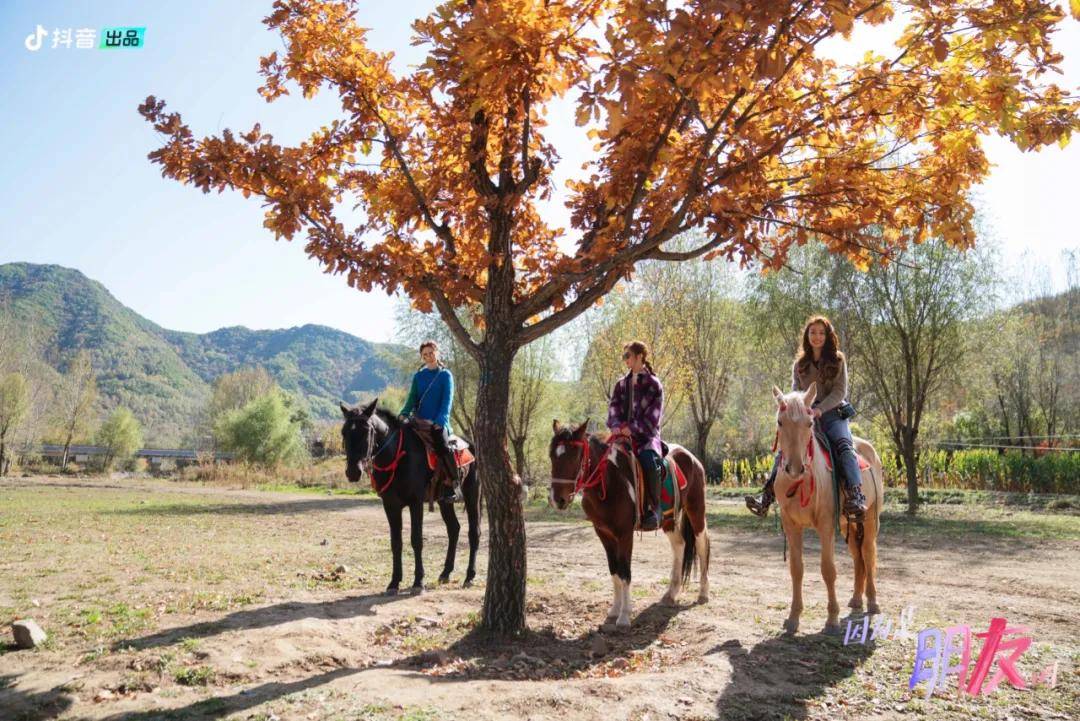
716, 115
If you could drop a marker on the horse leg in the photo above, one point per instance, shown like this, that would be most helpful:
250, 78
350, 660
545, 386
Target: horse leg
453, 528
393, 517
675, 538
795, 567
828, 572
704, 548
856, 601
416, 523
616, 585
471, 491
869, 555
624, 550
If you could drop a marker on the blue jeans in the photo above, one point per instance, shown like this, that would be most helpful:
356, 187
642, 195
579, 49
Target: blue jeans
843, 447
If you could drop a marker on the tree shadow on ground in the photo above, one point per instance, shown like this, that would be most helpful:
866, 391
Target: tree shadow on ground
536, 656
542, 654
220, 706
267, 508
779, 677
19, 705
262, 617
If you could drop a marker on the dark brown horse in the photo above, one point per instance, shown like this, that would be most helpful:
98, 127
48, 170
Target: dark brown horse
604, 473
396, 460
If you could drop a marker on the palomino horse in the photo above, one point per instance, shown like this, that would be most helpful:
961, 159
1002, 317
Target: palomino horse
603, 472
396, 460
805, 494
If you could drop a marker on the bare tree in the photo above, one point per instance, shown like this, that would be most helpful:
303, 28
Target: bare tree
75, 397
906, 324
529, 383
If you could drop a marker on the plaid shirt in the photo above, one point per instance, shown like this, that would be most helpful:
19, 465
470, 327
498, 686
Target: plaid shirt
644, 418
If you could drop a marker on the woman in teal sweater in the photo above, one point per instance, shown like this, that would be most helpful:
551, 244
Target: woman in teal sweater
430, 398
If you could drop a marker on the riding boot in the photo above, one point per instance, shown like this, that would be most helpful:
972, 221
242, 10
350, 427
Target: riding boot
854, 504
451, 477
650, 520
759, 505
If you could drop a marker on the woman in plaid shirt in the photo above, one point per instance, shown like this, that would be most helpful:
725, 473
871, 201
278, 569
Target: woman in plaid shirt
635, 410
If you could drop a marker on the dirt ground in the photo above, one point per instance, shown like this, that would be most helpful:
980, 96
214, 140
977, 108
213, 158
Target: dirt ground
186, 602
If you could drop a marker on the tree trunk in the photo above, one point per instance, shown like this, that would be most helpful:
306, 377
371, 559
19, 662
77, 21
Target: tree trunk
3, 456
67, 448
907, 452
702, 443
518, 444
504, 597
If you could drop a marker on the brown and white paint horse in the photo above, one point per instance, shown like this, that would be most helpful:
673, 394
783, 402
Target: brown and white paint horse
804, 492
603, 472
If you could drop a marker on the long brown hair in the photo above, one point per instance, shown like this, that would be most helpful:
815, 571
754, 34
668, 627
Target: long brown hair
831, 356
638, 347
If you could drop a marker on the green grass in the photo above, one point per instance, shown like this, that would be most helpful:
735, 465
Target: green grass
194, 675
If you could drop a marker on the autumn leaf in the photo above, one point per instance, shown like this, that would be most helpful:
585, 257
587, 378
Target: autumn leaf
941, 49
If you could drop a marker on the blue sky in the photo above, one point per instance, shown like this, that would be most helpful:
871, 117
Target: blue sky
76, 188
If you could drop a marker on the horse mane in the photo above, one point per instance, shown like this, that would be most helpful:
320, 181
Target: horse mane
388, 417
794, 405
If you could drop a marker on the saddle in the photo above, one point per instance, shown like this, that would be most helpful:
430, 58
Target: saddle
672, 484
826, 450
460, 448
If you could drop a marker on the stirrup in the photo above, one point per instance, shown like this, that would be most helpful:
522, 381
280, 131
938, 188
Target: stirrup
646, 516
854, 504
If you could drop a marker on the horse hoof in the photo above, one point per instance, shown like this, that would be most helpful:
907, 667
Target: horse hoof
703, 598
390, 591
669, 600
444, 579
416, 590
872, 608
467, 583
831, 629
622, 625
855, 604
607, 627
790, 626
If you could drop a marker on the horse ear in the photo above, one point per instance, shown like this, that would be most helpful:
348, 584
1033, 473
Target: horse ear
346, 411
582, 429
777, 393
811, 394
556, 426
370, 407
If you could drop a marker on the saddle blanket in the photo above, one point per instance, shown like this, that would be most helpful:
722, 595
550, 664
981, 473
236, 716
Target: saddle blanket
672, 473
461, 452
823, 442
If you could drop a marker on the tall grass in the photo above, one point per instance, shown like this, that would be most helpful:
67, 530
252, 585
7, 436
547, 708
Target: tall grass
973, 469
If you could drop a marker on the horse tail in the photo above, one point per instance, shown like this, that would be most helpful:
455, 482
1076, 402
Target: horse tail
689, 554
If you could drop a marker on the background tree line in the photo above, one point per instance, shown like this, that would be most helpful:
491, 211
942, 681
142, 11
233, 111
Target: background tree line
946, 354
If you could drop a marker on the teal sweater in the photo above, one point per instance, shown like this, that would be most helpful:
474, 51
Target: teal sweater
430, 396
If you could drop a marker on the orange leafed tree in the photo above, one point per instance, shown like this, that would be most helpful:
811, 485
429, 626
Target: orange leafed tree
720, 116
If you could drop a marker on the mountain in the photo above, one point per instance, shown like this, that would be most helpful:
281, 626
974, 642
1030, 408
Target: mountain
165, 376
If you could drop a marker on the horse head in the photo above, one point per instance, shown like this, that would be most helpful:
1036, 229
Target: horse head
357, 433
568, 456
794, 421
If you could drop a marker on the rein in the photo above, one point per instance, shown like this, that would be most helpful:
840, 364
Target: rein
585, 480
807, 474
369, 460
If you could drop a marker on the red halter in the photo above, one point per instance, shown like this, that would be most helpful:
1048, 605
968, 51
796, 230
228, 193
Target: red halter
392, 466
585, 480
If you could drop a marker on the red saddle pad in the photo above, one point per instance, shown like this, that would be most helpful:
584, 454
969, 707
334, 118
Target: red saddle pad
464, 457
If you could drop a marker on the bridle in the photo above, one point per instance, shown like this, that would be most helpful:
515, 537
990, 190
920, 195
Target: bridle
799, 486
367, 463
584, 480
